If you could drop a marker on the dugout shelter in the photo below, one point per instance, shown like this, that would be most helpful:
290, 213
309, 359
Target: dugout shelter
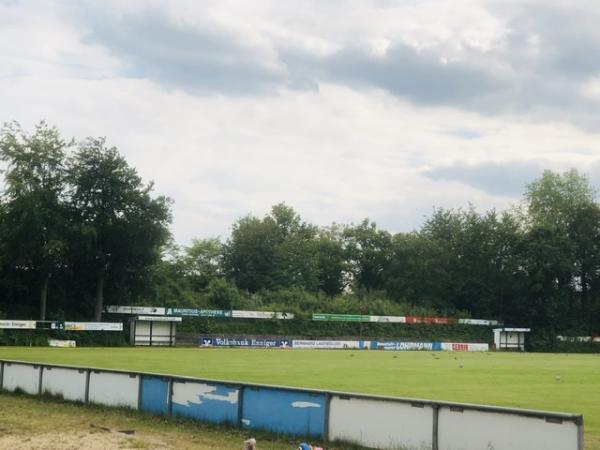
510, 338
153, 330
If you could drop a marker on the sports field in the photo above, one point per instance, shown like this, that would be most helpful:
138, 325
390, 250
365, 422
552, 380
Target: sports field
556, 382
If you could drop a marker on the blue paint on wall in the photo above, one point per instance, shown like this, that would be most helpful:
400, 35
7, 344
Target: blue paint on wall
281, 411
210, 402
155, 395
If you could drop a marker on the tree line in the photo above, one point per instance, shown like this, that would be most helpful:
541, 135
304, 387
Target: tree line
78, 226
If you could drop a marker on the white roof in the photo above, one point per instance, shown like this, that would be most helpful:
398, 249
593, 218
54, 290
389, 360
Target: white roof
513, 330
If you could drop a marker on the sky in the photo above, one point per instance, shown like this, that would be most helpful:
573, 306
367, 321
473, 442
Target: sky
343, 109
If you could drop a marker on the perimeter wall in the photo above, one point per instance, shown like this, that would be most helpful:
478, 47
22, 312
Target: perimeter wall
370, 421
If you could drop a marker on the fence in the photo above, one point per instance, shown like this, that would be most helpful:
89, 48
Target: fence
372, 421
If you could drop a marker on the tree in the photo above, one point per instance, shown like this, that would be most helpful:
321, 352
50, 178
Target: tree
368, 252
204, 261
249, 253
121, 227
563, 212
332, 267
34, 219
275, 252
553, 199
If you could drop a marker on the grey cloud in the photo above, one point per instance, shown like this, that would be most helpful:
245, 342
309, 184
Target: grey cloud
464, 133
507, 179
197, 60
418, 76
540, 81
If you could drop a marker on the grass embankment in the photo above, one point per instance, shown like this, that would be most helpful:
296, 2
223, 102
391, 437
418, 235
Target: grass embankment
506, 379
33, 423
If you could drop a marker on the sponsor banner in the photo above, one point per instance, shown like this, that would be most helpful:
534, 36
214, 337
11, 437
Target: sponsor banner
134, 310
93, 326
18, 324
577, 339
464, 347
388, 319
405, 346
430, 320
61, 343
482, 322
194, 312
159, 319
243, 342
341, 317
261, 315
298, 343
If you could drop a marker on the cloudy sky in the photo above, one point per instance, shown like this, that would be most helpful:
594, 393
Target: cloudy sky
344, 109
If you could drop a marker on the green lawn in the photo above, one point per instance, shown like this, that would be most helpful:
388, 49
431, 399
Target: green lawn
507, 379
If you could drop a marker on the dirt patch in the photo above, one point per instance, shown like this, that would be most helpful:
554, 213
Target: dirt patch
95, 439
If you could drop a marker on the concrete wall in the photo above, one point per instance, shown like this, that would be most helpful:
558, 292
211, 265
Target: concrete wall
154, 394
476, 430
114, 389
377, 422
67, 383
211, 402
21, 376
381, 424
283, 411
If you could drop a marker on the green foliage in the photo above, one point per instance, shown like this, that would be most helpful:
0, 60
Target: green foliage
222, 294
79, 225
74, 224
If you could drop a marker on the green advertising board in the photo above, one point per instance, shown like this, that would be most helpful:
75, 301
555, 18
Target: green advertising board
198, 312
341, 317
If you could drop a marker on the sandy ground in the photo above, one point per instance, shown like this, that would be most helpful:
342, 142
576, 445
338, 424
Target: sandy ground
95, 439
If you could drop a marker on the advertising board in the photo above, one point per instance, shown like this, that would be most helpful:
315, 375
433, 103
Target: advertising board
18, 324
151, 310
327, 344
93, 326
195, 312
228, 341
261, 315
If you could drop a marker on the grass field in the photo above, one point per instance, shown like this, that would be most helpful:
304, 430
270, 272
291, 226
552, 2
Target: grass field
507, 379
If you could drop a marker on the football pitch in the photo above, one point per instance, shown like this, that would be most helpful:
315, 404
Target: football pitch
554, 382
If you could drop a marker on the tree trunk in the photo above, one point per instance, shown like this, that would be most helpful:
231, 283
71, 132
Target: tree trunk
99, 296
44, 296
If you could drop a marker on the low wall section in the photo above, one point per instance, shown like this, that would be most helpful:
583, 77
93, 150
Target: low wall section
371, 421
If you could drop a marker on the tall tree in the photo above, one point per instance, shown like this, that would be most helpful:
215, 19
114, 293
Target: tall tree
34, 220
204, 261
369, 251
562, 208
121, 226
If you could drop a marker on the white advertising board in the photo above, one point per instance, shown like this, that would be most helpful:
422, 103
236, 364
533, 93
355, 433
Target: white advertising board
261, 315
114, 389
159, 318
482, 322
381, 424
18, 324
464, 347
21, 376
61, 343
133, 310
477, 430
299, 343
93, 326
67, 383
388, 319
